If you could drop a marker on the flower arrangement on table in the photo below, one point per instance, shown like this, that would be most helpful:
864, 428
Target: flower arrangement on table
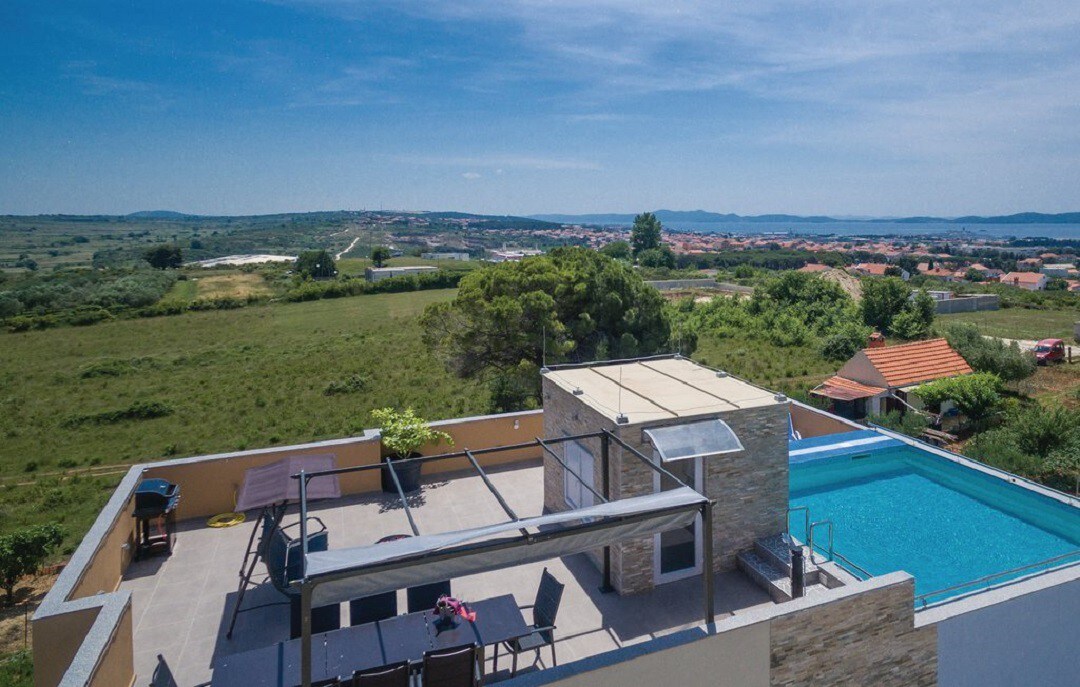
448, 609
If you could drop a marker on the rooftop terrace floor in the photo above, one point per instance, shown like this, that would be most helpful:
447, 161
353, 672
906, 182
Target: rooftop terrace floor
181, 604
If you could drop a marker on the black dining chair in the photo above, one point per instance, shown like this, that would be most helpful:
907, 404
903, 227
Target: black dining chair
457, 666
423, 597
369, 609
542, 631
392, 675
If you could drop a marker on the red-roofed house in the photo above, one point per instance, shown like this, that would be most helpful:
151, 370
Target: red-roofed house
877, 269
1032, 281
879, 379
986, 272
943, 273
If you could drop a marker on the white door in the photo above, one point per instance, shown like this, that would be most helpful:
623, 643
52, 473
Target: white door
677, 553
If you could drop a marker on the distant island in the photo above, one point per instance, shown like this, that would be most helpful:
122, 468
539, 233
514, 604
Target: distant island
705, 216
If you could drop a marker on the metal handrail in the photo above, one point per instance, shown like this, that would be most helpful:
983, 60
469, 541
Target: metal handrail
846, 564
806, 520
810, 537
921, 598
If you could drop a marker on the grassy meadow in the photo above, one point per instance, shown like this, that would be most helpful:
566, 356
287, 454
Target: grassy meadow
1021, 323
137, 390
792, 369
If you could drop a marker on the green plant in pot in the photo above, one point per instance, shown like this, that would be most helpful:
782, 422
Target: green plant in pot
403, 433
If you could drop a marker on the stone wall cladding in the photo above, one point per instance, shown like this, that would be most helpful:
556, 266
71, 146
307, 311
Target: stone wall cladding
865, 639
566, 415
750, 486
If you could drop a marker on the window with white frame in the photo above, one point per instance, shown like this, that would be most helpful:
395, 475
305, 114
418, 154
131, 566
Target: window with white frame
580, 461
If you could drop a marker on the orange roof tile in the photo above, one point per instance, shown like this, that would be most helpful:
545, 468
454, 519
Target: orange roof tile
1022, 277
921, 361
844, 389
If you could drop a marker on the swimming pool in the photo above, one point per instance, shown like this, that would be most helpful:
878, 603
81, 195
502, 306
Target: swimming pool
903, 508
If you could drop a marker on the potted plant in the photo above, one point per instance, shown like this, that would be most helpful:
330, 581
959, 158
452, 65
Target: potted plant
403, 433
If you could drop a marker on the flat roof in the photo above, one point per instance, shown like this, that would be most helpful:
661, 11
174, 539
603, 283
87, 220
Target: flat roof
399, 268
658, 389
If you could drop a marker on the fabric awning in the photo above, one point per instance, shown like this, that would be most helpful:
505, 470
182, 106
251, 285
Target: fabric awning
273, 483
343, 574
843, 389
693, 440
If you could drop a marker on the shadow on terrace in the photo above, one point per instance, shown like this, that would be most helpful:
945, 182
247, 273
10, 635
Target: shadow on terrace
183, 605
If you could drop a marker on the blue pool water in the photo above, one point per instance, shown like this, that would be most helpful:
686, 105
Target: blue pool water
907, 509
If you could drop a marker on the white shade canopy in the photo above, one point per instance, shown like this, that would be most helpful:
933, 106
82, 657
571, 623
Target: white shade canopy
343, 574
693, 440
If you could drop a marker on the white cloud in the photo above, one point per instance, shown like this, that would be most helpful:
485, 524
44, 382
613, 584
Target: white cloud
472, 175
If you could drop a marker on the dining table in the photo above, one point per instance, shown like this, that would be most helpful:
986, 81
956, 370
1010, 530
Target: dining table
341, 652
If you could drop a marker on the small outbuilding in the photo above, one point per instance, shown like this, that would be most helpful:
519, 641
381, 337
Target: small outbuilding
880, 379
726, 438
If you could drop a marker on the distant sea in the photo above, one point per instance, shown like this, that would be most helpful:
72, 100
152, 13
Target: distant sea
841, 228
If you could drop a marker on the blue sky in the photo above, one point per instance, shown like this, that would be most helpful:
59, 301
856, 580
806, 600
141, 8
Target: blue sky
507, 106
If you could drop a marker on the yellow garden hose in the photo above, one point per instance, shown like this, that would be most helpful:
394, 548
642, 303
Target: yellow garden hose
227, 519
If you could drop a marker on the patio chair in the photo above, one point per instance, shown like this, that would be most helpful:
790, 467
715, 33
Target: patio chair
542, 631
369, 609
457, 666
392, 675
423, 598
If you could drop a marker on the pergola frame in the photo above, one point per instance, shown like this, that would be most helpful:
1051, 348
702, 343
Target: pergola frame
605, 436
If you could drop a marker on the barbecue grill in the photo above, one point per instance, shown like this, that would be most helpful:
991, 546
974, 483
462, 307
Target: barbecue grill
155, 515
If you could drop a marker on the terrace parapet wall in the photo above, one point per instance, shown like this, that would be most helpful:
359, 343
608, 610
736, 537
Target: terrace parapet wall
82, 629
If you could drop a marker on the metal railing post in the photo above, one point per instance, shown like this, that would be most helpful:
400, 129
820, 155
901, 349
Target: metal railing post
605, 468
707, 555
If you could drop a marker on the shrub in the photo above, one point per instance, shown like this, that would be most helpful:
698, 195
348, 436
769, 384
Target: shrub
349, 385
882, 300
404, 432
24, 323
23, 552
315, 264
139, 410
82, 318
164, 257
845, 341
910, 423
9, 305
977, 395
657, 257
989, 354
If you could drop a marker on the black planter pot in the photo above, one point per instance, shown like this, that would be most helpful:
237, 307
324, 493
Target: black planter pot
408, 475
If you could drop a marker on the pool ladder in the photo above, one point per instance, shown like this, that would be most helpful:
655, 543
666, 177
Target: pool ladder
808, 528
810, 538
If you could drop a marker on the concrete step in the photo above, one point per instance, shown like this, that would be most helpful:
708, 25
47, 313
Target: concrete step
766, 574
776, 550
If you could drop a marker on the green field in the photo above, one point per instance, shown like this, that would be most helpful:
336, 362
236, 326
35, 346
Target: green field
228, 380
792, 369
1020, 323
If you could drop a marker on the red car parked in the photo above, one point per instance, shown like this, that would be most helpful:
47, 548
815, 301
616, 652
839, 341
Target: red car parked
1050, 351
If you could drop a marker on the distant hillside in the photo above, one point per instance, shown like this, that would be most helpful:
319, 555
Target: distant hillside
159, 214
705, 216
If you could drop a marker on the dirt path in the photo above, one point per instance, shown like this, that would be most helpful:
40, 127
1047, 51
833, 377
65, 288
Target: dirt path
351, 245
1024, 344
